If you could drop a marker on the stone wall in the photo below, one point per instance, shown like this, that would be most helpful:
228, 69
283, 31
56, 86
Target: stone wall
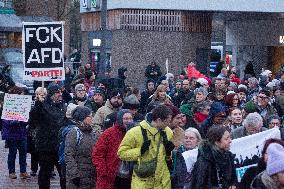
136, 49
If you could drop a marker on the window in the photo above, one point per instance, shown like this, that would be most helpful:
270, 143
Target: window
6, 3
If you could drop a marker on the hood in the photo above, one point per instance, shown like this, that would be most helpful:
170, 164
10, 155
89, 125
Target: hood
121, 72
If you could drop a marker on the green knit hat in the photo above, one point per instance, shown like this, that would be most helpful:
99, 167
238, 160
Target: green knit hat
251, 107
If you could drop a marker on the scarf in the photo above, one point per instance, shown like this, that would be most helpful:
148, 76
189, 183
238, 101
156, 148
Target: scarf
223, 160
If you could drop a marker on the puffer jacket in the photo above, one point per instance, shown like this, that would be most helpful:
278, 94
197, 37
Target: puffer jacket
78, 158
105, 156
48, 118
130, 150
101, 114
14, 130
263, 181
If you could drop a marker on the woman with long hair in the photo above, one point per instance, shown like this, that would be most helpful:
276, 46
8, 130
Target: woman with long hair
159, 97
215, 167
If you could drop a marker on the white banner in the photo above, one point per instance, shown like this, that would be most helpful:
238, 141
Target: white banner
247, 150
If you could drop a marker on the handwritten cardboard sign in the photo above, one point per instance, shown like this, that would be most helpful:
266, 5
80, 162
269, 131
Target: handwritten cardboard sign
16, 107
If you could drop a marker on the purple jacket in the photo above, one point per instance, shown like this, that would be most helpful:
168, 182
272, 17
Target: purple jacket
14, 130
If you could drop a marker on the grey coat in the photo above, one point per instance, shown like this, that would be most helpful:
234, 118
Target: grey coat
241, 132
78, 159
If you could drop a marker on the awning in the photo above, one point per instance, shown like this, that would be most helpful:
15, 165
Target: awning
10, 23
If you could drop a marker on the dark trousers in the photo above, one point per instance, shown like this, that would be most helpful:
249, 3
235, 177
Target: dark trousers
34, 162
47, 160
122, 183
21, 146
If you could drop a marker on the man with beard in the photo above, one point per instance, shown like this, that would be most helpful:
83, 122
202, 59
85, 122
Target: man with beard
80, 97
48, 117
97, 98
113, 103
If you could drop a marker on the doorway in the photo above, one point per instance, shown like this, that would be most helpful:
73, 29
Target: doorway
277, 59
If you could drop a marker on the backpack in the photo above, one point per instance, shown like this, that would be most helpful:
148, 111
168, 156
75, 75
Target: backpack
62, 136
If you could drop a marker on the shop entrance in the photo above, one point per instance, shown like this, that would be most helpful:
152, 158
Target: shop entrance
277, 59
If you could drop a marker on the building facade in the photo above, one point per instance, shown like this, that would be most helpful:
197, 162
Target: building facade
140, 32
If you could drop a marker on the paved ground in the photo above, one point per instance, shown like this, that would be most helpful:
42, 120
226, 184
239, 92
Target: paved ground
7, 183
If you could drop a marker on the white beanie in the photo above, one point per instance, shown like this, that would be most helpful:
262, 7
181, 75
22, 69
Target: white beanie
202, 81
70, 109
275, 162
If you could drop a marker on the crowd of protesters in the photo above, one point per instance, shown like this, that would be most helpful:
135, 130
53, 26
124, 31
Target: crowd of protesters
101, 133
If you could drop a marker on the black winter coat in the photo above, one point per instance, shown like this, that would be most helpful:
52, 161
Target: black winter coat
48, 118
204, 173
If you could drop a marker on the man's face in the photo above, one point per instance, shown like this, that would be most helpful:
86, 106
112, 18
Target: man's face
185, 85
251, 85
165, 83
127, 118
219, 118
200, 97
274, 123
177, 121
151, 86
40, 96
57, 97
98, 98
178, 85
242, 96
81, 93
193, 83
162, 124
116, 101
262, 100
219, 96
88, 66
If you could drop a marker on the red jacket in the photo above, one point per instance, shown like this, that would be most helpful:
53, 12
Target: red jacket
105, 157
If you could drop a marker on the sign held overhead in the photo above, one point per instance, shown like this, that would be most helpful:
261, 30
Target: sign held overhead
43, 51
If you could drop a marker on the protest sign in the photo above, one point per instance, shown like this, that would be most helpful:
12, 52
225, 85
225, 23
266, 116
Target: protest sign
16, 107
43, 51
247, 150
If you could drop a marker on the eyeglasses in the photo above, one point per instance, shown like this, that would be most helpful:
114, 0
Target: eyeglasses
274, 123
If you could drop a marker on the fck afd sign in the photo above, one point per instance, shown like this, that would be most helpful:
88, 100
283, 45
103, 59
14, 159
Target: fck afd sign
43, 50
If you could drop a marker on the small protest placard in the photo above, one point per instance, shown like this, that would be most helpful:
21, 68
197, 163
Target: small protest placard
16, 107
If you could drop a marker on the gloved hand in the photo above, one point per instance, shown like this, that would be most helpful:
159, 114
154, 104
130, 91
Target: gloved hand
76, 181
169, 146
145, 146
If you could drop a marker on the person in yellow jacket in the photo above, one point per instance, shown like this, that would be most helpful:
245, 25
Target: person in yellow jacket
134, 147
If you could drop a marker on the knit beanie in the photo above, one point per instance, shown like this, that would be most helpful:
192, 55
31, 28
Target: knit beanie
70, 109
80, 87
115, 92
251, 107
80, 113
93, 91
131, 102
52, 89
202, 81
275, 162
216, 107
119, 116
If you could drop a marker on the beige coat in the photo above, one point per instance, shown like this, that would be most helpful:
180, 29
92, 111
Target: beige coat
101, 114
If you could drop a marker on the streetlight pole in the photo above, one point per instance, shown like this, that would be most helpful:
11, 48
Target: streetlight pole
102, 65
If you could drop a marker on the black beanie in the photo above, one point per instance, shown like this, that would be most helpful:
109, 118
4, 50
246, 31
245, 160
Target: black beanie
52, 89
80, 113
115, 92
